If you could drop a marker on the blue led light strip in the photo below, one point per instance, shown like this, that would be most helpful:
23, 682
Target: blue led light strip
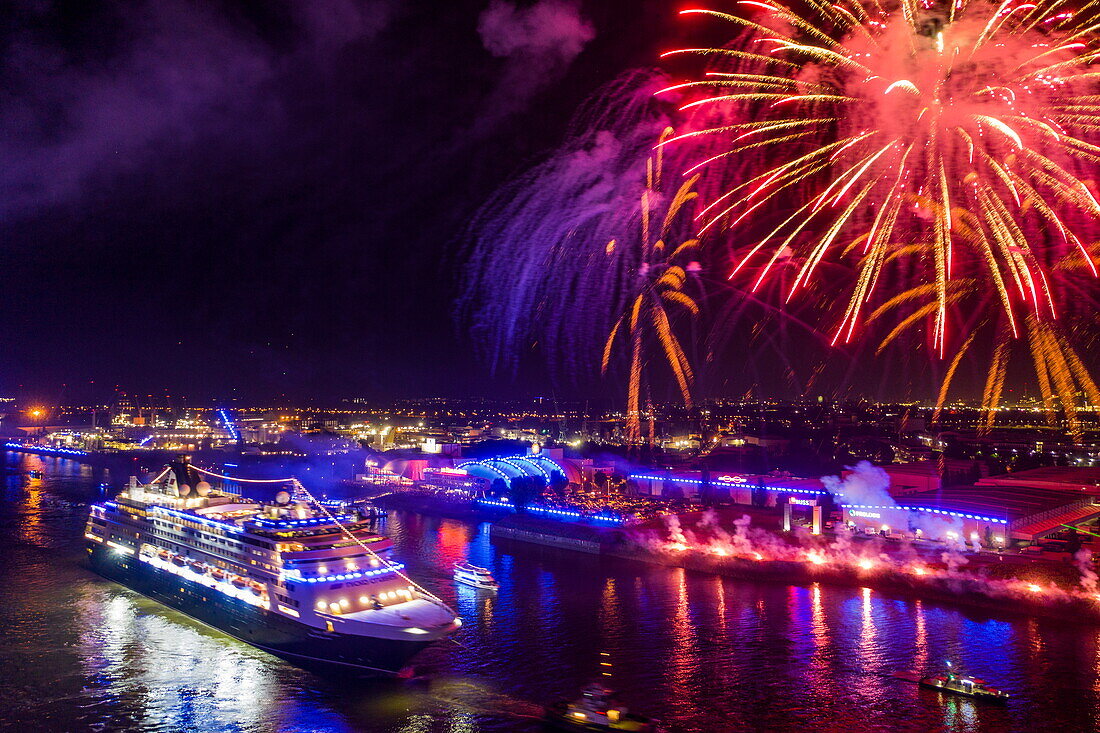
512, 462
533, 461
45, 450
556, 512
928, 510
233, 432
746, 484
277, 523
227, 526
392, 568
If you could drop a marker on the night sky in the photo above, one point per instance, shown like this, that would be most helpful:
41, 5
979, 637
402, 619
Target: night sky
259, 200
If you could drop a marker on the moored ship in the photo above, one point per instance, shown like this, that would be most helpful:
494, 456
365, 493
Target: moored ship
290, 577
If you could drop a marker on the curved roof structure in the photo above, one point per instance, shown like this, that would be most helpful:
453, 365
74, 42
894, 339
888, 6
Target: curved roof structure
511, 467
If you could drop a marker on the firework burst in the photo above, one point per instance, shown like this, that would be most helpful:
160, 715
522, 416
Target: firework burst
939, 150
963, 139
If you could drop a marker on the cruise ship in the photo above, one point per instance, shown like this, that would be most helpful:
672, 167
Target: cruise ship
290, 577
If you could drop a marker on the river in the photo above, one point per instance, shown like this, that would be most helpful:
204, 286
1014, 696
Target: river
80, 653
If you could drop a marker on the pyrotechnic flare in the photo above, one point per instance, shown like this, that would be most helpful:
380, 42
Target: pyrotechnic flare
662, 278
935, 148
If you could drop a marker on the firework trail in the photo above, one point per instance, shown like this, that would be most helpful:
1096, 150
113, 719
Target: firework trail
940, 151
559, 255
661, 283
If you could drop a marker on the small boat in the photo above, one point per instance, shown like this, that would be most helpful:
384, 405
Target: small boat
35, 473
197, 567
217, 574
164, 555
963, 684
238, 582
256, 588
472, 575
179, 560
598, 710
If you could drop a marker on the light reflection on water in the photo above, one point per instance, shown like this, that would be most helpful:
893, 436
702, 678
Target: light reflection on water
712, 654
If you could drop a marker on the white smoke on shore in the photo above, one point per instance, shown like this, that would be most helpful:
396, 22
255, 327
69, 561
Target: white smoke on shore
675, 531
953, 556
866, 484
869, 485
1083, 560
843, 557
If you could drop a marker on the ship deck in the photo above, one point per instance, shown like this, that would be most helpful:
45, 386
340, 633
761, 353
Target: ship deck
417, 612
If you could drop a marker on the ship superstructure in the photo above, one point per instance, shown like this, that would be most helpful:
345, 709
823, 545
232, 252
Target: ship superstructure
315, 586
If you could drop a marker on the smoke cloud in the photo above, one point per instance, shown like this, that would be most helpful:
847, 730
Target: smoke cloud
1082, 559
539, 42
866, 484
174, 74
869, 485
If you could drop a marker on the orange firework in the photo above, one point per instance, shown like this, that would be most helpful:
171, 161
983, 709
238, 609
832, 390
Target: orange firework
664, 271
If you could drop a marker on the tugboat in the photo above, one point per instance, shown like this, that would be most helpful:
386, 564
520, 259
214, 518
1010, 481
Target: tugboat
598, 710
472, 575
963, 684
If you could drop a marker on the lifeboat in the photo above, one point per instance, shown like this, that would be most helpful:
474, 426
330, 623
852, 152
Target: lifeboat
164, 555
197, 567
238, 582
217, 574
256, 588
179, 560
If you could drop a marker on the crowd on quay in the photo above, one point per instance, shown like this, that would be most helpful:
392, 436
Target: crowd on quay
588, 499
631, 508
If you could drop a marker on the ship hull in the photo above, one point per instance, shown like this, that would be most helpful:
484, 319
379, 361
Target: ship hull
297, 643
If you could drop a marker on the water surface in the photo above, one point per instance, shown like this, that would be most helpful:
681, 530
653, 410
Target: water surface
707, 653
